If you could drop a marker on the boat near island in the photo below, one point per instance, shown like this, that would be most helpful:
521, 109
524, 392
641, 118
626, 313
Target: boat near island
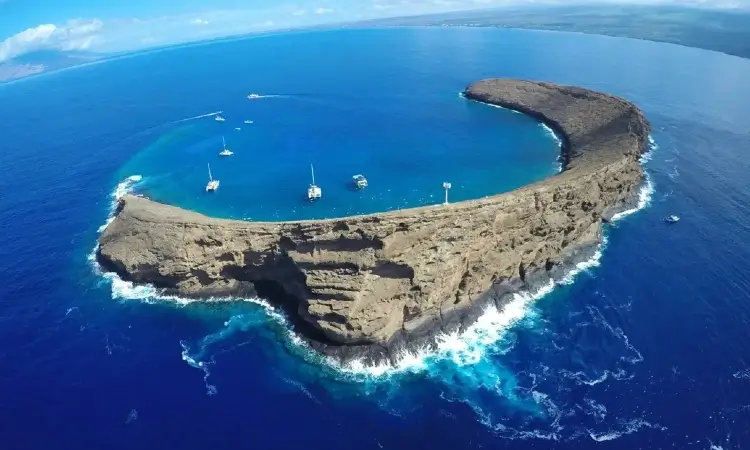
212, 184
313, 192
225, 151
672, 219
360, 182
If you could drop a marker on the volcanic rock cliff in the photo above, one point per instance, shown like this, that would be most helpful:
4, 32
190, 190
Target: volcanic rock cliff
368, 286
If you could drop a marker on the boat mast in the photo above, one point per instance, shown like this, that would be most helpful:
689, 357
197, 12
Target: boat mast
312, 172
209, 173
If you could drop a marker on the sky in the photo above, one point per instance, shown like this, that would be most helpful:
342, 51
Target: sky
27, 26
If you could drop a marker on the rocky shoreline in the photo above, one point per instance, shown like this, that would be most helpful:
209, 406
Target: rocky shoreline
370, 287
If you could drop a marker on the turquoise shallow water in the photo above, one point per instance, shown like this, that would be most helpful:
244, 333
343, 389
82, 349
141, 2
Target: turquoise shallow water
405, 128
646, 350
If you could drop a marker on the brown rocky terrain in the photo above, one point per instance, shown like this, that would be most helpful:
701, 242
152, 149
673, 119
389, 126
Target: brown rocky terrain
369, 286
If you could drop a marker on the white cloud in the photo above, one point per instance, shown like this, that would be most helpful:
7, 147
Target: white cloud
77, 34
324, 11
199, 21
382, 6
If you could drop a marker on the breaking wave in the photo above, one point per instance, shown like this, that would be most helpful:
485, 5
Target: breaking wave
552, 133
644, 198
124, 187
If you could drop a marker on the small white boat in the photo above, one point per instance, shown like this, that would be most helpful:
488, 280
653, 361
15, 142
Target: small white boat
237, 128
672, 219
253, 96
360, 182
225, 151
219, 119
313, 192
248, 122
212, 184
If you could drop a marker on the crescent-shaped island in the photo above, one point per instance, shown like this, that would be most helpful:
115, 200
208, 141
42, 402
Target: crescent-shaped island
369, 287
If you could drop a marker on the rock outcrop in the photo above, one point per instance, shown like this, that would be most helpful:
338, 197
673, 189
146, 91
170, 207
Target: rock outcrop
368, 286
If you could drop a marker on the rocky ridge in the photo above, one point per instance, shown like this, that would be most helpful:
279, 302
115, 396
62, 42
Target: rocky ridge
370, 286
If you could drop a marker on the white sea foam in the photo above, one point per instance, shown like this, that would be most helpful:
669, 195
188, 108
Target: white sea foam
585, 266
201, 365
556, 137
628, 427
646, 193
126, 186
644, 199
552, 133
652, 146
595, 409
464, 348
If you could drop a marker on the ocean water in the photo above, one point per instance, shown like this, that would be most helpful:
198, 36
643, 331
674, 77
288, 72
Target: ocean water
645, 347
406, 138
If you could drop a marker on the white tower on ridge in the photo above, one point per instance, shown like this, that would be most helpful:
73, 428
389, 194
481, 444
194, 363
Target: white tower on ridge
446, 186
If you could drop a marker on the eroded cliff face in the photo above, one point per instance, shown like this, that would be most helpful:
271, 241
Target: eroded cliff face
370, 285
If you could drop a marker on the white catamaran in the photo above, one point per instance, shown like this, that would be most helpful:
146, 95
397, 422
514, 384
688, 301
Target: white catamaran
212, 184
313, 192
225, 151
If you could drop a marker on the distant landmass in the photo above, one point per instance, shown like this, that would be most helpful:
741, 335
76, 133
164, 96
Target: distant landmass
43, 61
726, 31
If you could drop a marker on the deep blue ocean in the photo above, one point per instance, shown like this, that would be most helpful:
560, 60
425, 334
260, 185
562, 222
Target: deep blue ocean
648, 346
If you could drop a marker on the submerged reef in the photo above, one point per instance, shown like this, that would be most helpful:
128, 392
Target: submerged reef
369, 287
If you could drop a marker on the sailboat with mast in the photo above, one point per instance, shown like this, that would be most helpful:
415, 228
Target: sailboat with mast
225, 151
313, 192
212, 184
